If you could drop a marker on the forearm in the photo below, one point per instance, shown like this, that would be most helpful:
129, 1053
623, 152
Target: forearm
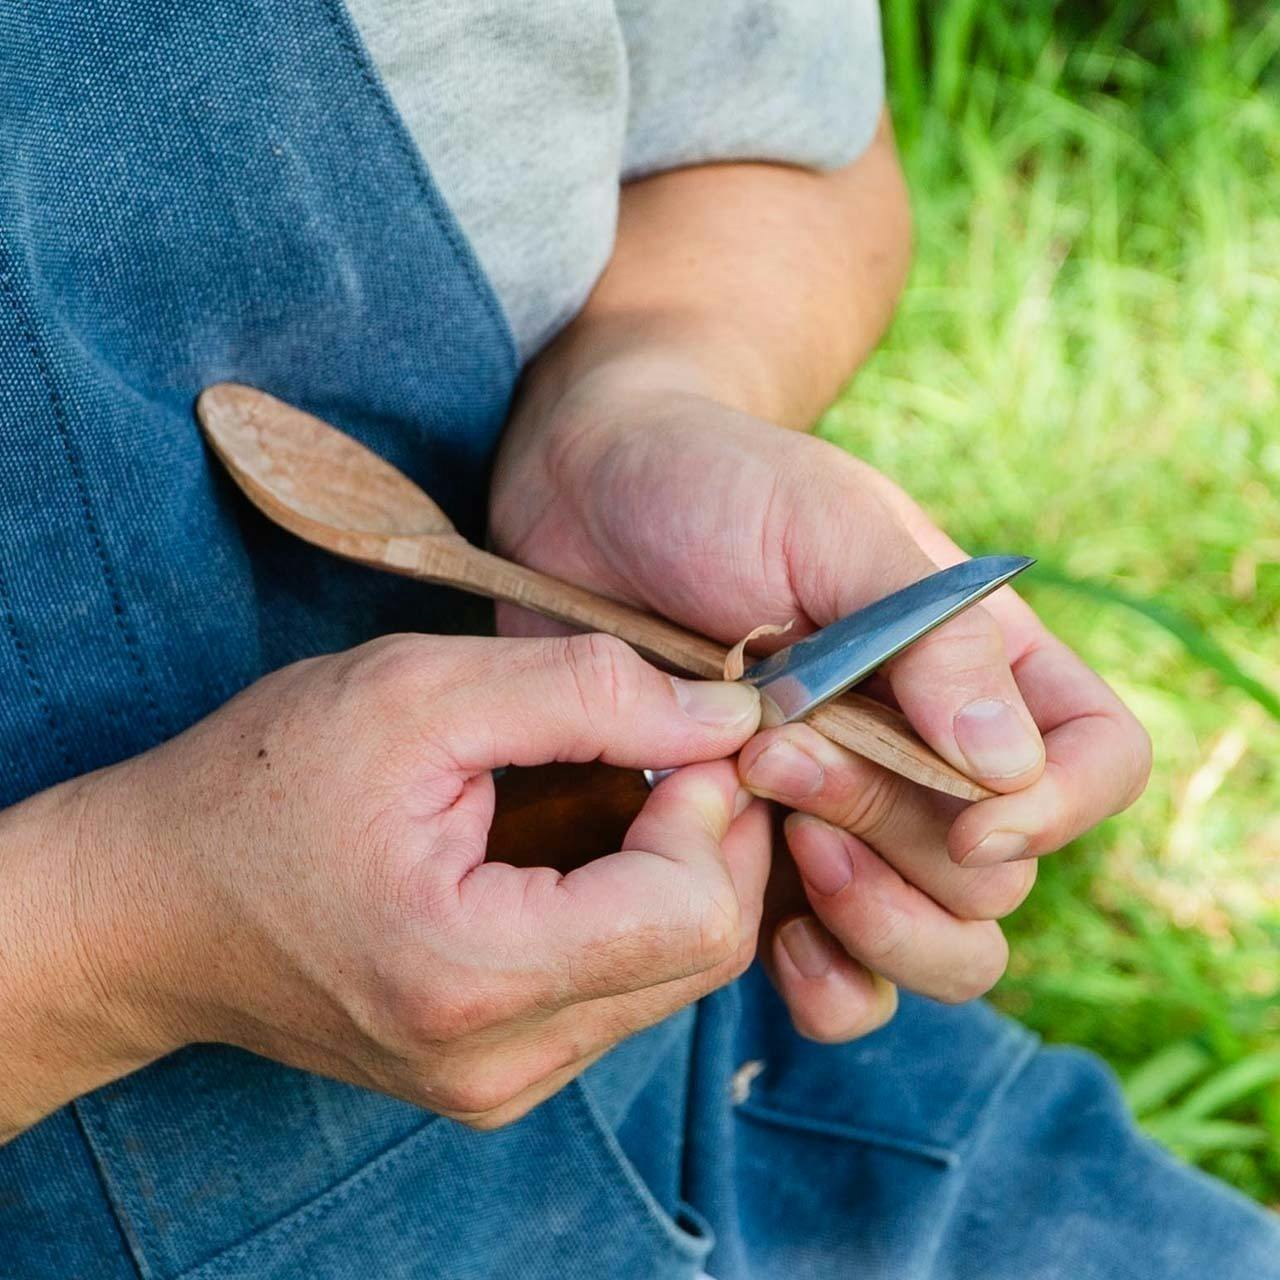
70, 956
760, 286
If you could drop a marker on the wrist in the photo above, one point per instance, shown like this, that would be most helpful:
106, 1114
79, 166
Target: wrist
575, 399
611, 359
81, 944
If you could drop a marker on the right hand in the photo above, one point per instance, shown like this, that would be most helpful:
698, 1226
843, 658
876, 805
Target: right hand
308, 868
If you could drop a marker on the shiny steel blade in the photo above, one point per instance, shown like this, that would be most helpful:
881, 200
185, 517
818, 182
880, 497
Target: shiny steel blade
797, 680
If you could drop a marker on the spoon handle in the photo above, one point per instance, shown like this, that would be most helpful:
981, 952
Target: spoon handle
328, 489
862, 725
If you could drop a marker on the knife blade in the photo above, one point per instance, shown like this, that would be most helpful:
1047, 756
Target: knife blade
797, 680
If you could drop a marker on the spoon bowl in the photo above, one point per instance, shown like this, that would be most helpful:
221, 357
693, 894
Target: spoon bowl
307, 476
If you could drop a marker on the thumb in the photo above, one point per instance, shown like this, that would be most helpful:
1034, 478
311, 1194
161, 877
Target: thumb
666, 907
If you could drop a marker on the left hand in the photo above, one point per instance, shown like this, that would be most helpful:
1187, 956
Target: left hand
722, 522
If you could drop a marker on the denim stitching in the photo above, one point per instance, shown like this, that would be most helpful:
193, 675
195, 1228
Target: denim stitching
613, 1165
328, 1200
274, 1235
33, 677
1024, 1048
218, 1123
944, 1156
309, 1085
72, 454
442, 217
114, 1195
1027, 1049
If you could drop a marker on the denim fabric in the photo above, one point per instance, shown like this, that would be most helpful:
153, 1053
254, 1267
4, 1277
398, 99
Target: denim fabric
201, 189
947, 1146
191, 192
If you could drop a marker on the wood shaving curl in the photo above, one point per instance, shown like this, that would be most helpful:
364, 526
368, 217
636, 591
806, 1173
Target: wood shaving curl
735, 659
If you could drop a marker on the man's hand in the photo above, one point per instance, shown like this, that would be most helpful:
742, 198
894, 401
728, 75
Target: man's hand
303, 874
642, 460
722, 522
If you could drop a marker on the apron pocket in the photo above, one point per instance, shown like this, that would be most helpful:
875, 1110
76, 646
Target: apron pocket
552, 1196
919, 1085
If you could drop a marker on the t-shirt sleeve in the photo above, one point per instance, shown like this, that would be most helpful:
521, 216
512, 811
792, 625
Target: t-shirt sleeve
795, 81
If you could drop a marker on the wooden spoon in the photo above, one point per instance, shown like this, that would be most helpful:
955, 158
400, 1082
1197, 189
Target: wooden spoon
331, 491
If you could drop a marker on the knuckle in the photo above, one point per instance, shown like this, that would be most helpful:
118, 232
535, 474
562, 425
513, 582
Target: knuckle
970, 644
736, 954
720, 933
819, 1024
875, 1016
425, 1015
873, 798
471, 1098
994, 892
890, 935
1067, 813
387, 675
1138, 772
605, 672
831, 1023
489, 1121
739, 961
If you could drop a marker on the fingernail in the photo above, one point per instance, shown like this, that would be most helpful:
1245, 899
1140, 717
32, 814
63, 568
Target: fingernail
783, 770
886, 995
823, 857
995, 739
717, 703
999, 846
740, 802
805, 943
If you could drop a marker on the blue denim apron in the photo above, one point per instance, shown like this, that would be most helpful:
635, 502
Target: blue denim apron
196, 190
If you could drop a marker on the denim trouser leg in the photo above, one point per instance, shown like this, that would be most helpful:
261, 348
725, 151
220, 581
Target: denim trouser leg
948, 1146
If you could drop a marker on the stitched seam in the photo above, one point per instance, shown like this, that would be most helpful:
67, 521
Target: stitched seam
112, 1194
33, 678
443, 218
74, 461
318, 1125
273, 1234
218, 1123
1017, 1063
616, 1171
982, 1123
843, 1132
1026, 1045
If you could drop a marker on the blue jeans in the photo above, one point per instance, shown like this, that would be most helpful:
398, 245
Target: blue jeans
947, 1145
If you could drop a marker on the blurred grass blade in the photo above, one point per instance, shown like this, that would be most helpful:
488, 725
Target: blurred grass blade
1195, 1139
1103, 990
951, 63
1164, 1074
1232, 1084
906, 71
1197, 642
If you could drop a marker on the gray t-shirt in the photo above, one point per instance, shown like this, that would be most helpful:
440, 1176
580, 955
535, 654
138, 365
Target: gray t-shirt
530, 113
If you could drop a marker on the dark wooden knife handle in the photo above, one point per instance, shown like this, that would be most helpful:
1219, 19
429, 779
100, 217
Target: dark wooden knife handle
563, 815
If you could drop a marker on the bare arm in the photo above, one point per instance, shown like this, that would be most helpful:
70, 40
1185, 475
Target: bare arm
762, 286
60, 937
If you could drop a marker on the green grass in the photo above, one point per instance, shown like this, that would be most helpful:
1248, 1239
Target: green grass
1086, 367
